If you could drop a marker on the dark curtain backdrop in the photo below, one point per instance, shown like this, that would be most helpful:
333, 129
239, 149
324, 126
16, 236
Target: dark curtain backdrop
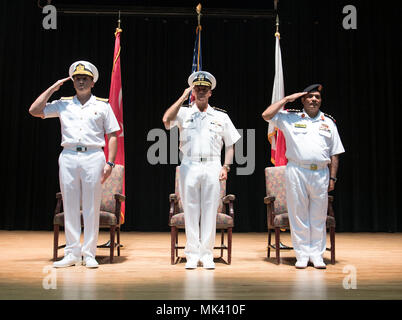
360, 70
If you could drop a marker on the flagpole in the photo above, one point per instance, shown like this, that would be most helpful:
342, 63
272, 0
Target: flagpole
199, 28
277, 34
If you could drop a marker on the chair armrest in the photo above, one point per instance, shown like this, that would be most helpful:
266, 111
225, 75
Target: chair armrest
120, 197
269, 199
173, 197
173, 200
228, 198
59, 203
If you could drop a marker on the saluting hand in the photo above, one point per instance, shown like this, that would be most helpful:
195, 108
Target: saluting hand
187, 92
58, 84
295, 96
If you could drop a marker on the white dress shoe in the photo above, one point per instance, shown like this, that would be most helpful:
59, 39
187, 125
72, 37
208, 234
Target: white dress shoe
301, 263
318, 263
191, 264
208, 264
90, 262
67, 261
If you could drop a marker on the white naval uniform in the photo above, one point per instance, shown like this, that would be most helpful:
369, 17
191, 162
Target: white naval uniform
310, 143
202, 135
80, 172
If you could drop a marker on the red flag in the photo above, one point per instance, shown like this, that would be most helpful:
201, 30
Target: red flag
116, 102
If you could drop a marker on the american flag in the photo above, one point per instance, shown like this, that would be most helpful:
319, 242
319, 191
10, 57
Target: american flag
197, 56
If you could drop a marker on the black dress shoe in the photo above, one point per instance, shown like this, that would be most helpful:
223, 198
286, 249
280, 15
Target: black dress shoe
282, 246
107, 245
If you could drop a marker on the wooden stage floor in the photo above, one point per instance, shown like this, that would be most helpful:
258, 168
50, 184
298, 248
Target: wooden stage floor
369, 264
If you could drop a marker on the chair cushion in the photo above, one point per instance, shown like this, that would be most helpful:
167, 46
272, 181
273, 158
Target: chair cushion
223, 221
282, 221
275, 186
106, 219
113, 185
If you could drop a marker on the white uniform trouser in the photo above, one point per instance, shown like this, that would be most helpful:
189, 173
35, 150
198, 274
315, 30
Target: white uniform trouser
200, 190
307, 201
80, 175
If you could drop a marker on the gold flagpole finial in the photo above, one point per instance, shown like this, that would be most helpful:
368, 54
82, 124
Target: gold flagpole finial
277, 34
198, 9
118, 29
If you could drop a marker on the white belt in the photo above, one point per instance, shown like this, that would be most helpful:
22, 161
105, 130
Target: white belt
79, 148
202, 159
310, 166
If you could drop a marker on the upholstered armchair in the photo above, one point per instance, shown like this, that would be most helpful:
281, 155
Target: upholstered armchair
110, 209
277, 212
224, 220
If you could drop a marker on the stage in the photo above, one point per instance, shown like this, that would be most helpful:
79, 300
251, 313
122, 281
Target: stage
368, 266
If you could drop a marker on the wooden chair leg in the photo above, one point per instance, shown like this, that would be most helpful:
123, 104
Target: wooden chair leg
269, 243
177, 242
118, 241
172, 244
277, 245
222, 241
112, 232
56, 229
332, 238
229, 245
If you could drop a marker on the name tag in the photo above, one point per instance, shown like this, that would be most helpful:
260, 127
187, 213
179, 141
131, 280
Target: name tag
324, 127
216, 123
300, 125
325, 133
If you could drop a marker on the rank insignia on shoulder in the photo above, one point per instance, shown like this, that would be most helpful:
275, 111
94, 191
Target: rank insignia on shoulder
102, 99
329, 116
66, 98
185, 106
219, 109
292, 110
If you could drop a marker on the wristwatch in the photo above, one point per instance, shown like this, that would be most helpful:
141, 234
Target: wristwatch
111, 164
227, 167
334, 179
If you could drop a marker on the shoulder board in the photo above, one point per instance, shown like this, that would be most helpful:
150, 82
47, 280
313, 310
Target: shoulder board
219, 109
67, 98
292, 110
102, 99
185, 106
331, 117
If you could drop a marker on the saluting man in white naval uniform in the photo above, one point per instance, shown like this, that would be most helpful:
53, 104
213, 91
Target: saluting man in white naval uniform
84, 119
312, 149
203, 131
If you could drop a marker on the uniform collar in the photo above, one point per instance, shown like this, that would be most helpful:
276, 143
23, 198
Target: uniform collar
91, 100
209, 109
319, 116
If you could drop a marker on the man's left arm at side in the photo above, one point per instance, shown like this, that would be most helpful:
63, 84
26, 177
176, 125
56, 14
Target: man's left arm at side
112, 146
